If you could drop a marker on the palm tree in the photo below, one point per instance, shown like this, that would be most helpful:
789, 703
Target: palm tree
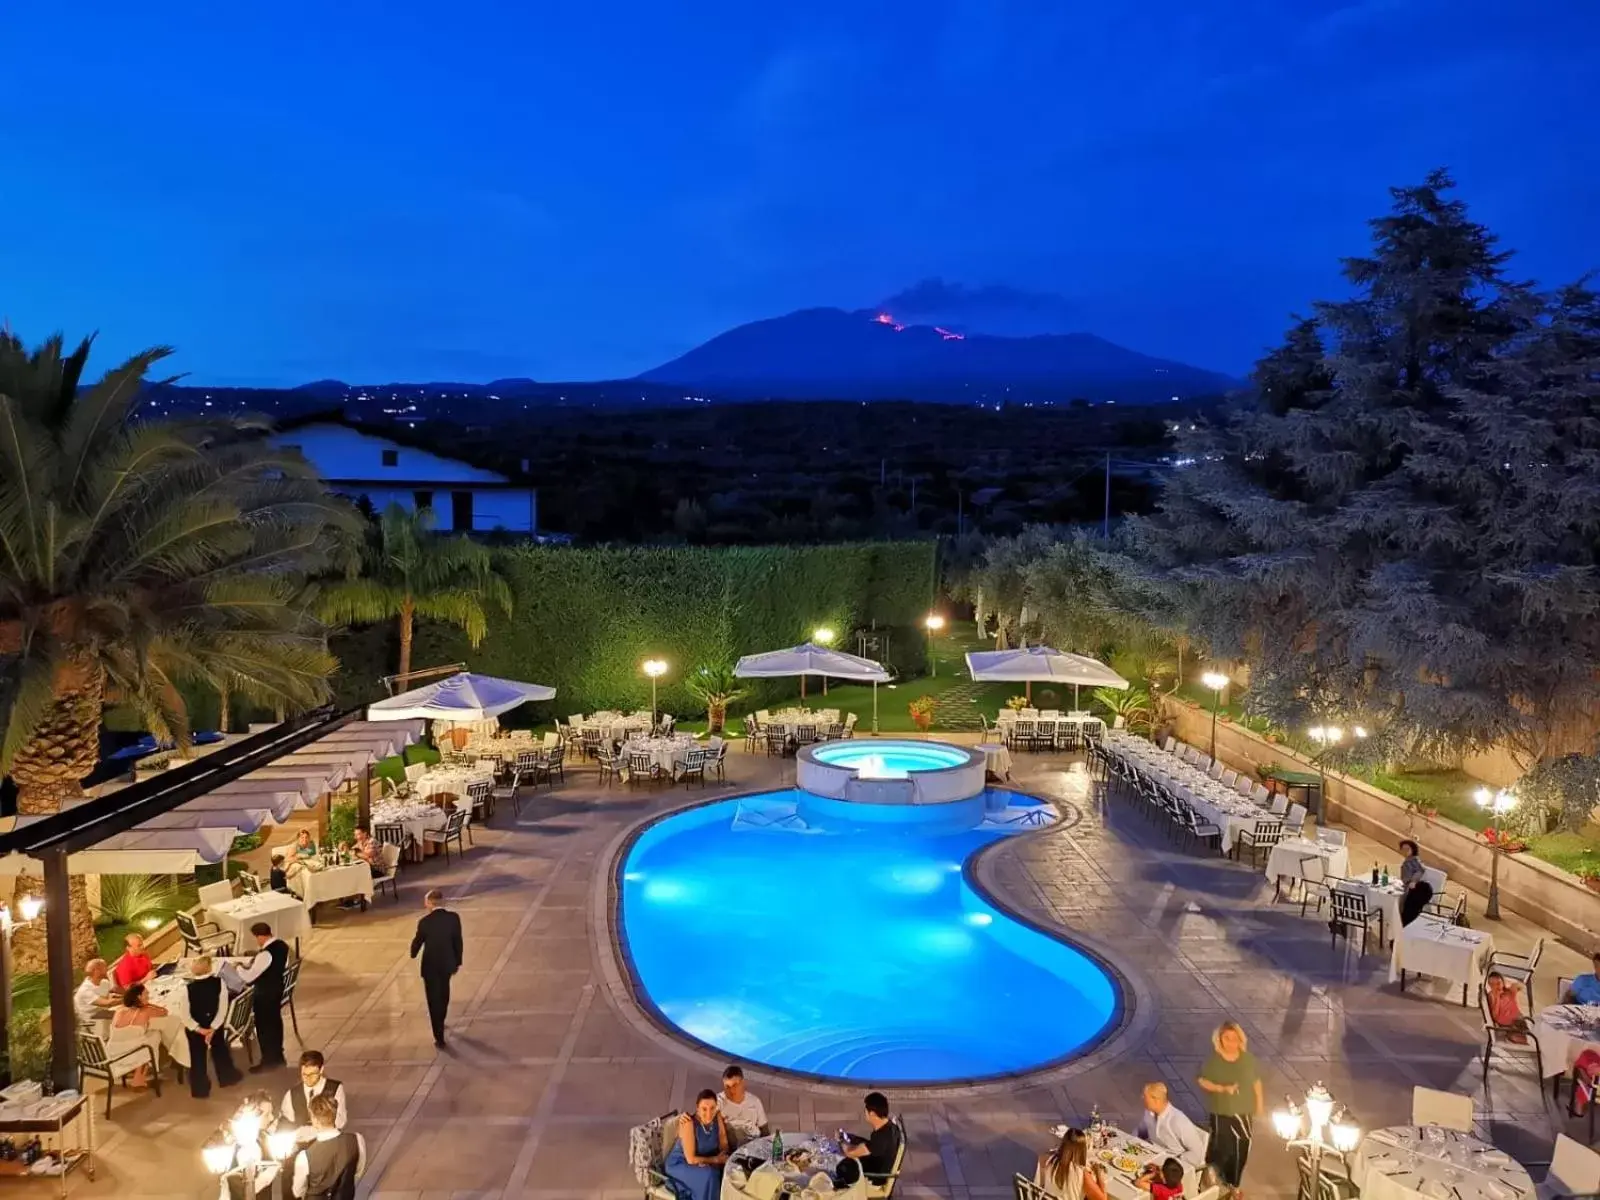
410, 572
716, 686
137, 556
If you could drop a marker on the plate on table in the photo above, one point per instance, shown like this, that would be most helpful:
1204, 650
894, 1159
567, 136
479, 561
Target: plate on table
1126, 1162
1107, 1156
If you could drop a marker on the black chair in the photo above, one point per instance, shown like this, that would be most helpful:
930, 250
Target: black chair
719, 760
1201, 830
804, 735
1499, 1039
95, 1061
480, 796
390, 854
240, 1026
390, 834
447, 834
1327, 1186
777, 743
1448, 906
608, 767
555, 765
1263, 836
589, 739
249, 884
1350, 911
642, 767
196, 943
694, 766
291, 976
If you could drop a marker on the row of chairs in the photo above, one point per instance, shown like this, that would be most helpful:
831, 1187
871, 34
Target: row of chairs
643, 768
778, 741
1044, 733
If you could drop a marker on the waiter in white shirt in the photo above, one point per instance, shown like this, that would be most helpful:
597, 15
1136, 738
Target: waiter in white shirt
313, 1083
1166, 1125
266, 971
329, 1165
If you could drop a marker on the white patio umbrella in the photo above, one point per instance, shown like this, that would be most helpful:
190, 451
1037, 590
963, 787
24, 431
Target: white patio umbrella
811, 659
460, 698
1043, 664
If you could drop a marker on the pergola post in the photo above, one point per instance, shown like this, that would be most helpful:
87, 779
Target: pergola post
58, 947
364, 800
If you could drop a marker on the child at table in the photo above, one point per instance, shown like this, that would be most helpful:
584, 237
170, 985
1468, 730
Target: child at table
1504, 1010
1164, 1182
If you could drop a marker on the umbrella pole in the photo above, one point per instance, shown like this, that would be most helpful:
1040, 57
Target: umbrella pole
874, 708
1075, 705
1027, 691
802, 688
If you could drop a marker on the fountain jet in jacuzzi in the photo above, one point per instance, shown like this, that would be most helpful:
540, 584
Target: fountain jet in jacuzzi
893, 781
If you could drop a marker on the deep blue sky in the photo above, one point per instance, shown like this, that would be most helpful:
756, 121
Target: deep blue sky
389, 189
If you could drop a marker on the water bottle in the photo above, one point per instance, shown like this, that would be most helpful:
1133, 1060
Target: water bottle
777, 1148
1386, 877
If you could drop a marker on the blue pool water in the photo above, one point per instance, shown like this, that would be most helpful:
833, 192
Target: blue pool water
855, 951
895, 758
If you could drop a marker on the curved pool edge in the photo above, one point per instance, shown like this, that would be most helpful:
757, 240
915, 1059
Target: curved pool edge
1132, 1021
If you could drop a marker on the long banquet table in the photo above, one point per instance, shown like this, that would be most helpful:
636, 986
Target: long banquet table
1224, 807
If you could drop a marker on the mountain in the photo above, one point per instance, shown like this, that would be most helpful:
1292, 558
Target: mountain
831, 353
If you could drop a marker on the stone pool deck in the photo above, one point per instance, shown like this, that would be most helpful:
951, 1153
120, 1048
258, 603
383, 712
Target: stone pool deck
549, 1065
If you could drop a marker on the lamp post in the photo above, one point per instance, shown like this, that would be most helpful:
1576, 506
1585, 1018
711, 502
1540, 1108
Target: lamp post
242, 1148
1498, 803
1216, 681
823, 636
30, 907
654, 668
933, 624
1316, 1126
1326, 737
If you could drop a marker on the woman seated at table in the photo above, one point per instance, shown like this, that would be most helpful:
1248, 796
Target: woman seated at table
1064, 1172
130, 1028
305, 846
696, 1159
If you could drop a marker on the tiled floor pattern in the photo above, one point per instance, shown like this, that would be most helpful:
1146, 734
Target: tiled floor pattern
545, 1075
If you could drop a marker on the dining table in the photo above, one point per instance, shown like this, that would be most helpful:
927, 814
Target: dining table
1124, 1156
170, 992
996, 759
450, 781
669, 755
1222, 806
751, 1174
413, 816
1428, 1162
1440, 949
332, 882
1284, 860
1564, 1032
287, 914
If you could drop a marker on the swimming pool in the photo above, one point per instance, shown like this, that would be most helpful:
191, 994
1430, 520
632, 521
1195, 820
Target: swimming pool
850, 950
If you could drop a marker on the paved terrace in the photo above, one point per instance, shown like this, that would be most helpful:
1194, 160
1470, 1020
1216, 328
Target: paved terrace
547, 1071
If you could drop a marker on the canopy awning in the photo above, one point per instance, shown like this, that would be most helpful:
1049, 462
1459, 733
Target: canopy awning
461, 698
202, 830
810, 659
1041, 664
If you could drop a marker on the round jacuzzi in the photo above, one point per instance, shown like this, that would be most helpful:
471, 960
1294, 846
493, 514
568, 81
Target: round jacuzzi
880, 780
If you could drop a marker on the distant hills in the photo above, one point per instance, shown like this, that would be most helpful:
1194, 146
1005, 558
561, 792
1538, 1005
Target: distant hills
867, 354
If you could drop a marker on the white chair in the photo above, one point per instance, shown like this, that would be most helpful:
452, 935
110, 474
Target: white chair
389, 855
1434, 878
215, 893
1574, 1170
1244, 784
1429, 1106
1295, 823
1229, 777
1330, 837
1260, 795
1169, 744
1280, 804
1216, 769
415, 771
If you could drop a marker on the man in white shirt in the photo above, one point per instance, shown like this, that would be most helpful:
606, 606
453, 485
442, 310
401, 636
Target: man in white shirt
329, 1165
266, 971
296, 1107
95, 998
1167, 1126
743, 1114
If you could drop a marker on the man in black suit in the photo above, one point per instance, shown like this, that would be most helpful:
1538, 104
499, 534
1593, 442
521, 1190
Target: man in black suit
439, 939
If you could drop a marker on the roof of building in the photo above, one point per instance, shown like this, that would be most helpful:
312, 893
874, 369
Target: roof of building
400, 435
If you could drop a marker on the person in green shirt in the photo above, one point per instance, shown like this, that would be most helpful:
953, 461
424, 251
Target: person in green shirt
1231, 1081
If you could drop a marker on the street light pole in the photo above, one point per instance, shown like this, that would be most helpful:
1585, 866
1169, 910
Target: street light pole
1216, 681
654, 668
933, 624
1498, 803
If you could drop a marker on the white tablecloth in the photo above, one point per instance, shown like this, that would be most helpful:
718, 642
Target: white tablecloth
1407, 1163
287, 915
449, 781
1122, 1144
789, 722
1565, 1031
1434, 947
411, 815
1380, 899
824, 1151
1285, 858
668, 754
1224, 807
332, 883
996, 759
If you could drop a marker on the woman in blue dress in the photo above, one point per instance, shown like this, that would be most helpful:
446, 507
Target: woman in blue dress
694, 1164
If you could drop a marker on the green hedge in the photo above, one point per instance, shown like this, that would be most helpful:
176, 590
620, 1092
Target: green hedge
585, 618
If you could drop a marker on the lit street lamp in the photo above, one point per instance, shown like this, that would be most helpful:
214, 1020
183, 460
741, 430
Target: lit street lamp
30, 907
1216, 681
1316, 1126
823, 636
1499, 803
241, 1148
934, 623
654, 668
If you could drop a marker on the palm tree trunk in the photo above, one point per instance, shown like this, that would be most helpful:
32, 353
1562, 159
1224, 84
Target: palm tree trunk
224, 699
48, 771
407, 615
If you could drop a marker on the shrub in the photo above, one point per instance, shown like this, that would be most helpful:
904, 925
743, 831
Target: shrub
124, 899
342, 823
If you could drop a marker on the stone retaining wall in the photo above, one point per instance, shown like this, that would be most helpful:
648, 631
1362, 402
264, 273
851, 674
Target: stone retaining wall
1529, 886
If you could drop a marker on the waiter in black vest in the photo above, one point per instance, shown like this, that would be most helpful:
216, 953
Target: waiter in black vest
266, 972
327, 1169
296, 1107
204, 1027
439, 940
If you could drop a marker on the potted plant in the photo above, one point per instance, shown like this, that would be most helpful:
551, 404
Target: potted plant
1505, 842
1132, 705
716, 686
1017, 703
921, 710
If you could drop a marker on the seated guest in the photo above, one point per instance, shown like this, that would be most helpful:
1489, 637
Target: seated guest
1164, 1182
696, 1159
296, 1107
874, 1155
95, 998
278, 877
1585, 989
328, 1167
1413, 875
305, 846
1169, 1127
1504, 1011
130, 1027
370, 851
134, 966
744, 1114
1065, 1172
